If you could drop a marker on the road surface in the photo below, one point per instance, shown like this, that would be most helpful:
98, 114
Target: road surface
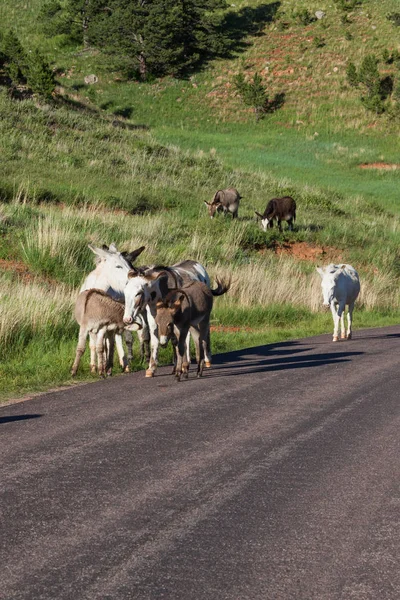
276, 476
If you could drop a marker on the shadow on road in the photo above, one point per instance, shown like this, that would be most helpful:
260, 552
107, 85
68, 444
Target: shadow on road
13, 418
277, 363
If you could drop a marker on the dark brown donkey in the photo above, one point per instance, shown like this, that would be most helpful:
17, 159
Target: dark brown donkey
281, 209
188, 309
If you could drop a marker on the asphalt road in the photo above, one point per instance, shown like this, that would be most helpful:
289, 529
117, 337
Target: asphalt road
276, 476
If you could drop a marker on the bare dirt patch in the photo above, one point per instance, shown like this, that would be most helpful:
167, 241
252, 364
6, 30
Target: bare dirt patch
227, 329
21, 271
310, 252
381, 166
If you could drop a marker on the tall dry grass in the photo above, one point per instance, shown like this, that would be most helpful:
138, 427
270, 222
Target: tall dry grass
31, 310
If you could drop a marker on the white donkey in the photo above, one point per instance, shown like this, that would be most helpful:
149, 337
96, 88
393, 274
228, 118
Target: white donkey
111, 276
340, 287
147, 287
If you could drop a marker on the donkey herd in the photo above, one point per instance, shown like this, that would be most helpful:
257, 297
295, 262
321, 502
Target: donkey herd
172, 303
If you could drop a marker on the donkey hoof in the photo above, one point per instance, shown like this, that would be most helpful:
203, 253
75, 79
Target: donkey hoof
208, 364
335, 338
127, 369
149, 373
349, 336
93, 369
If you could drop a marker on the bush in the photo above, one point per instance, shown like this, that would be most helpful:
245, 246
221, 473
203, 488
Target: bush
40, 77
394, 18
368, 76
304, 16
319, 42
252, 93
352, 75
14, 58
347, 5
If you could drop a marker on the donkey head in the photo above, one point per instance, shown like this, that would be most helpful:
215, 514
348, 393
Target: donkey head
166, 311
329, 276
113, 266
142, 288
212, 207
265, 222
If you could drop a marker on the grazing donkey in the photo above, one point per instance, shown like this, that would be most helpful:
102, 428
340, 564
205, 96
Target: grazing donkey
185, 309
98, 314
340, 286
111, 276
226, 201
146, 287
281, 209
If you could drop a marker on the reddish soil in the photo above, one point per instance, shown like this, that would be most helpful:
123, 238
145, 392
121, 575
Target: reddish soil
21, 271
306, 251
380, 166
227, 329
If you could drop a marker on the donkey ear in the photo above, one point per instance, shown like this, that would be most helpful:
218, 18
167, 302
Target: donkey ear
208, 203
154, 275
177, 303
160, 304
100, 252
320, 271
113, 248
132, 256
259, 214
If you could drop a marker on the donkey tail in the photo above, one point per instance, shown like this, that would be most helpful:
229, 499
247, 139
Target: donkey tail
223, 286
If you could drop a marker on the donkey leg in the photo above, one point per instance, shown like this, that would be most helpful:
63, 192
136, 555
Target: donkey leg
339, 320
204, 328
101, 363
342, 327
129, 345
109, 344
144, 337
181, 364
123, 361
188, 357
199, 349
350, 320
206, 343
335, 322
92, 345
80, 349
154, 346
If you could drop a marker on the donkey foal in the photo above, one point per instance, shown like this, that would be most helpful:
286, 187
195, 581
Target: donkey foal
101, 317
183, 310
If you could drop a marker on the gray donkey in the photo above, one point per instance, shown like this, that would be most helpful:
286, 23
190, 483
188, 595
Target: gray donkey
184, 309
225, 200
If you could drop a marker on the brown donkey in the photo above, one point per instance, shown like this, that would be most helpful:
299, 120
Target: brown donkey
188, 309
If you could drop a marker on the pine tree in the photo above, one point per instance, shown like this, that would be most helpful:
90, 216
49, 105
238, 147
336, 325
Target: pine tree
40, 77
14, 58
352, 75
159, 36
72, 17
252, 93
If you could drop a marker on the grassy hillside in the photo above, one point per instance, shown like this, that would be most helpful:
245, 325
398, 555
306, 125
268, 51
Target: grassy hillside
132, 163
